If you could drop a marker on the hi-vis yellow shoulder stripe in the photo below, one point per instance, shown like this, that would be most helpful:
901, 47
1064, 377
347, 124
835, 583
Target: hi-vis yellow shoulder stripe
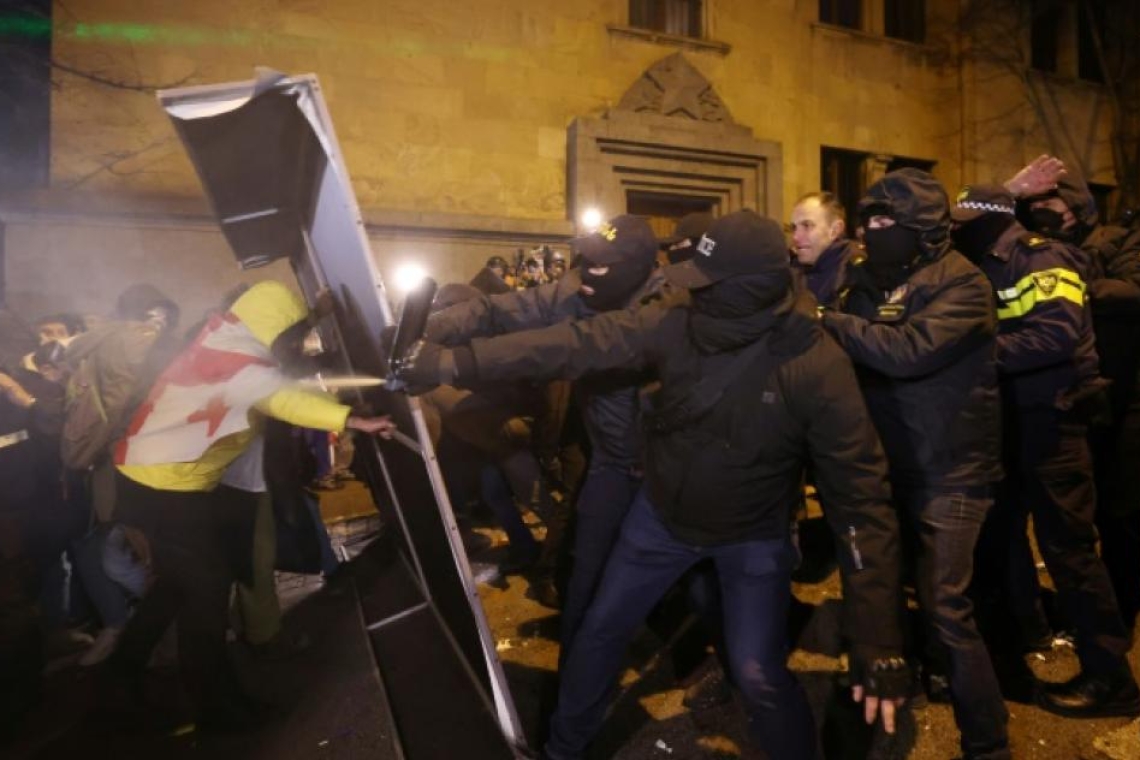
1038, 287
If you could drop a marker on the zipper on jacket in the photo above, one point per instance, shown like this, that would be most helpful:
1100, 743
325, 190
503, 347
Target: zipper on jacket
855, 555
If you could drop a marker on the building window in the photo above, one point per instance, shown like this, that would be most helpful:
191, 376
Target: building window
1102, 195
905, 20
842, 174
1045, 34
847, 174
25, 94
1088, 62
902, 162
681, 18
848, 13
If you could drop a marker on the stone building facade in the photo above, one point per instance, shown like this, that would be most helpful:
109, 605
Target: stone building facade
473, 129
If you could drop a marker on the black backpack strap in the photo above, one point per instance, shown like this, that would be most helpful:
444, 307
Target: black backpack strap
705, 393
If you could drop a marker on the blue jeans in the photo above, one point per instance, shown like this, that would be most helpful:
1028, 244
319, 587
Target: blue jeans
110, 574
602, 506
496, 493
755, 581
946, 526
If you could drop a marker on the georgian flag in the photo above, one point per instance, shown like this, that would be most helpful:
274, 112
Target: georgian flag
203, 396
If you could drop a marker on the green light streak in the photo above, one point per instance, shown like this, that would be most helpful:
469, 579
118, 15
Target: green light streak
28, 27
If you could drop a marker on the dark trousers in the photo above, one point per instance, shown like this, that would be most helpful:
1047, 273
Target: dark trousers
1049, 473
602, 506
200, 543
755, 579
946, 527
1116, 453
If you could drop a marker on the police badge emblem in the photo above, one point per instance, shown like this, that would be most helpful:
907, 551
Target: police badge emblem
1046, 282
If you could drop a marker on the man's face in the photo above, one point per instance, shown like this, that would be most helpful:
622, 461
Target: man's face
49, 331
1068, 219
813, 231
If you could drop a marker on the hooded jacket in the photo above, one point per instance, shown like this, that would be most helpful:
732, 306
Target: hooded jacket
735, 473
196, 419
915, 200
925, 360
924, 352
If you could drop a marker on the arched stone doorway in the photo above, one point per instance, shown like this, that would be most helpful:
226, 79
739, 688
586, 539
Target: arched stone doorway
668, 148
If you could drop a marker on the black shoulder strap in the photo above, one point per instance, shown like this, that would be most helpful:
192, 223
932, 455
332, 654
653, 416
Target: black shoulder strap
705, 394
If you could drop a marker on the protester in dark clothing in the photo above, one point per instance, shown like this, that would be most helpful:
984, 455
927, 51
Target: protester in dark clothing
1051, 390
724, 468
615, 273
923, 348
820, 244
1068, 213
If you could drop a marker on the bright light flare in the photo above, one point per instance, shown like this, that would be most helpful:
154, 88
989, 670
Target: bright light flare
408, 276
591, 219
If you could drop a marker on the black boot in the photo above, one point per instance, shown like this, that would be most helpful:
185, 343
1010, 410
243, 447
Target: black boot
1089, 696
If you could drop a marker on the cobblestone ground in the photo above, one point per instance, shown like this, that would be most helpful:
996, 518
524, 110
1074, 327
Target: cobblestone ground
649, 720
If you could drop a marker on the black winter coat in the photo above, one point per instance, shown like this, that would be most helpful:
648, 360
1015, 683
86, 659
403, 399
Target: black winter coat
1114, 290
736, 472
925, 359
609, 401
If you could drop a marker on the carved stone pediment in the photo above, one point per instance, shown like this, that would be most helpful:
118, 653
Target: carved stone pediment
674, 87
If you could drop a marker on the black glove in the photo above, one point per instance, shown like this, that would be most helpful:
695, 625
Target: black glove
419, 371
883, 677
429, 365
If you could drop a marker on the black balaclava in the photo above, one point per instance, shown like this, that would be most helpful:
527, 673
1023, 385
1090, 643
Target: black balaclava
613, 289
973, 239
742, 295
890, 253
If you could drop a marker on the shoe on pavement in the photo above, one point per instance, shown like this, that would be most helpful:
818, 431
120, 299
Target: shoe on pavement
1088, 696
710, 690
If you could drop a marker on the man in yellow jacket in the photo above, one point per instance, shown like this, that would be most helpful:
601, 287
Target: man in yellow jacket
195, 421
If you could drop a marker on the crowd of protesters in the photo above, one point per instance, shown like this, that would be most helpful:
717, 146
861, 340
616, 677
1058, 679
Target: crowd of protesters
950, 370
141, 471
939, 377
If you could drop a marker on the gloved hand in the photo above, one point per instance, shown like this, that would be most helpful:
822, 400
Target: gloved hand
429, 365
882, 684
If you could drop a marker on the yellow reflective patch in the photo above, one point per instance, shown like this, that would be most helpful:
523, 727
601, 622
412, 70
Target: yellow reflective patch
608, 231
1039, 287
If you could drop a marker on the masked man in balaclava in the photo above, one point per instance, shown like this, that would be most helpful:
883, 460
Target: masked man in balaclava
751, 387
1051, 391
1068, 213
918, 321
615, 272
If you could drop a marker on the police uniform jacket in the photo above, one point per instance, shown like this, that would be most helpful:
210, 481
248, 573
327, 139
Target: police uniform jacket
609, 400
735, 472
924, 354
1046, 350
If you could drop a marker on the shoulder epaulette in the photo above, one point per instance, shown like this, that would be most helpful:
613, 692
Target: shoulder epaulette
1033, 240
